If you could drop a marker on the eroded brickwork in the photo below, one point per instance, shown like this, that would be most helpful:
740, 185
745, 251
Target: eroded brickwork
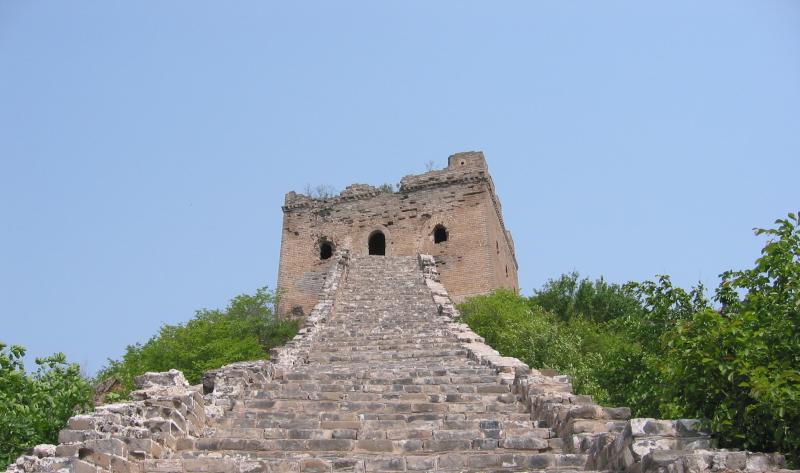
477, 257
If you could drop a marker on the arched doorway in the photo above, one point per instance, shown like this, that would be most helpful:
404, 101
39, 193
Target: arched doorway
325, 250
439, 234
377, 243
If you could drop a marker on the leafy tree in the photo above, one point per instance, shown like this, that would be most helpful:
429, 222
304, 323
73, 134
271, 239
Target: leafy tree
569, 297
246, 330
34, 407
513, 326
666, 351
664, 306
740, 366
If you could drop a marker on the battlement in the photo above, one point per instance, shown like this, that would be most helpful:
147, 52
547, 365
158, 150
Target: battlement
452, 213
462, 168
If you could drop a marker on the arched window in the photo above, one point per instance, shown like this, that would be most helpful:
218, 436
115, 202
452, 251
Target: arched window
325, 250
439, 234
377, 243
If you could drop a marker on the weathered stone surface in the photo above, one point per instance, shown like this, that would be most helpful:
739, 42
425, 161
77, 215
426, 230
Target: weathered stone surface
460, 199
382, 377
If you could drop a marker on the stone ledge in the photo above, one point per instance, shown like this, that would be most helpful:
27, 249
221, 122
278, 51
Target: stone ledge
139, 436
612, 440
115, 436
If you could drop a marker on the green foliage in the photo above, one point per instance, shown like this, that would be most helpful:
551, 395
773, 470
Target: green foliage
113, 397
740, 367
513, 326
568, 298
386, 187
320, 191
603, 320
34, 407
245, 330
665, 351
663, 306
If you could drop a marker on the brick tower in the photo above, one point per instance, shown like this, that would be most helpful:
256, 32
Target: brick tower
453, 214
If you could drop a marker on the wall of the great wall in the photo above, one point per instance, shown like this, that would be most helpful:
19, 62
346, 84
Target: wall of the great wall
477, 257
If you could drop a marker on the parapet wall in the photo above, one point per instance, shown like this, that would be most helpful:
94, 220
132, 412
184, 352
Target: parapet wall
476, 258
612, 440
168, 416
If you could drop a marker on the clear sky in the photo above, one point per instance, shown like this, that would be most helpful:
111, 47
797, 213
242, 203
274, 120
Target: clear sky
145, 147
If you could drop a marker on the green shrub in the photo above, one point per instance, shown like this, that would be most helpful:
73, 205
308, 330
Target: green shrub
246, 330
740, 366
569, 297
516, 328
34, 407
665, 351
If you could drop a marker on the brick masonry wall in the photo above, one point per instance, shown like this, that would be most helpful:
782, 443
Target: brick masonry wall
460, 197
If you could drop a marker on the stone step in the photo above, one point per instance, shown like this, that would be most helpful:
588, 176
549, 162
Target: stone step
345, 343
461, 461
387, 378
384, 385
384, 376
383, 354
307, 440
379, 396
430, 386
381, 407
463, 375
513, 438
329, 421
283, 419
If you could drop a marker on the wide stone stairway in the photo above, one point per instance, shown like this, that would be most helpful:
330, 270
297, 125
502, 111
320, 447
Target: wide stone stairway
385, 386
381, 377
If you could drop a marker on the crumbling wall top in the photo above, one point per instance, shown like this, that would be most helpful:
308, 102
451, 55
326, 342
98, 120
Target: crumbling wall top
467, 160
465, 167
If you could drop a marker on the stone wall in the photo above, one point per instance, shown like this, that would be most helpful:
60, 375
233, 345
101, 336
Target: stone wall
168, 420
166, 414
124, 437
612, 440
477, 257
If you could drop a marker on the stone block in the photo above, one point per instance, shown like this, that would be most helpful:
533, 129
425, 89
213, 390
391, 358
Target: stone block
315, 465
527, 442
386, 464
331, 445
163, 466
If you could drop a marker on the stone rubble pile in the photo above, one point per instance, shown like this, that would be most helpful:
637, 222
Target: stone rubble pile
382, 377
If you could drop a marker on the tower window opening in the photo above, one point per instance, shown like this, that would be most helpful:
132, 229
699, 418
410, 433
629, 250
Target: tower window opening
497, 245
377, 244
325, 250
439, 234
506, 270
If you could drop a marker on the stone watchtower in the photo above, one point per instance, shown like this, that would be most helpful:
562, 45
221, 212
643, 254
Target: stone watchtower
453, 214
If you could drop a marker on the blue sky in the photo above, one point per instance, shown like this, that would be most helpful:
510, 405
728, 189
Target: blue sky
145, 147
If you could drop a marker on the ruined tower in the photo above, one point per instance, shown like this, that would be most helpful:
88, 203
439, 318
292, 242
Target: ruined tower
453, 214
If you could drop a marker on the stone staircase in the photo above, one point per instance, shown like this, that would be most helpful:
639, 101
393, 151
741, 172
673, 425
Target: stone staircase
385, 386
382, 377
